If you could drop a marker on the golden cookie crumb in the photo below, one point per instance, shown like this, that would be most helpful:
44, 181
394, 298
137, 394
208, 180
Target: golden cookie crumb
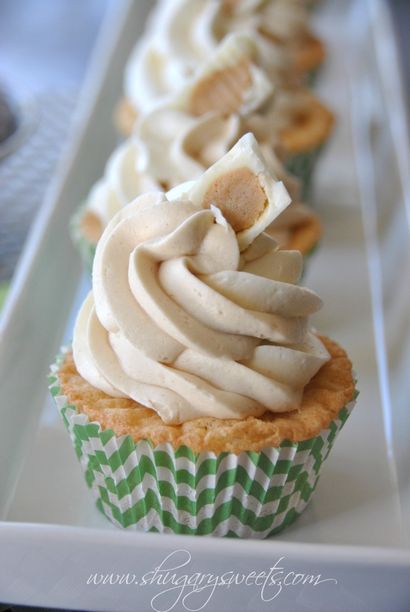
221, 91
325, 395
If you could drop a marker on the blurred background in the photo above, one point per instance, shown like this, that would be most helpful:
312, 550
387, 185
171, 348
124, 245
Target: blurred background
45, 48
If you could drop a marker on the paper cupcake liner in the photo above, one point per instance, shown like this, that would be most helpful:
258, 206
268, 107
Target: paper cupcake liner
312, 77
85, 248
302, 165
314, 5
157, 488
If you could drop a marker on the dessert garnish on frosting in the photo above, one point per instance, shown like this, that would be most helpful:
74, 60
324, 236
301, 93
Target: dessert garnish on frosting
241, 187
228, 82
180, 138
182, 34
176, 141
194, 311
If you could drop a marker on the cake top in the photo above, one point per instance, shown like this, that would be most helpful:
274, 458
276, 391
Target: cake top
194, 311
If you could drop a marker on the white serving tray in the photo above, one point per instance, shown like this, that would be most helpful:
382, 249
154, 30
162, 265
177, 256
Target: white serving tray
356, 529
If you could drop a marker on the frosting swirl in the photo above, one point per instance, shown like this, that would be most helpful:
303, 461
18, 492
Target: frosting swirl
182, 34
178, 140
192, 317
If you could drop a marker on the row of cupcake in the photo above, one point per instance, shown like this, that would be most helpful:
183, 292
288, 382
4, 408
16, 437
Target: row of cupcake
198, 399
195, 99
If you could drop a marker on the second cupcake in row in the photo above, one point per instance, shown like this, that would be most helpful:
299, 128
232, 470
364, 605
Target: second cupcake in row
182, 136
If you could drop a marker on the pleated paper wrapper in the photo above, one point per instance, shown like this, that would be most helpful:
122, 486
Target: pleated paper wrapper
158, 488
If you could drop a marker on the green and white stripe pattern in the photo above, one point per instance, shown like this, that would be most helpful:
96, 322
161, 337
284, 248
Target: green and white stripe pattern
138, 486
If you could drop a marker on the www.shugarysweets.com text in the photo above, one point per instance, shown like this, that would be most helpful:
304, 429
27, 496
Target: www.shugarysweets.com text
176, 586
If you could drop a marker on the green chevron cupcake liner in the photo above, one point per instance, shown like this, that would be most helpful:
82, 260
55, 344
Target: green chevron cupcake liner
302, 165
157, 488
85, 248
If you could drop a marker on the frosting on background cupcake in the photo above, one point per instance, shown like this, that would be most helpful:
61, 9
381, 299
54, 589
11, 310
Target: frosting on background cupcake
194, 311
179, 139
181, 35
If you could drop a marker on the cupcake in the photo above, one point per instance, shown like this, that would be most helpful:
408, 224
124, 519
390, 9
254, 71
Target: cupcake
179, 139
182, 34
197, 397
301, 125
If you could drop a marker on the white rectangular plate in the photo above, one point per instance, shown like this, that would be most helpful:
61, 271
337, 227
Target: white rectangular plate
355, 532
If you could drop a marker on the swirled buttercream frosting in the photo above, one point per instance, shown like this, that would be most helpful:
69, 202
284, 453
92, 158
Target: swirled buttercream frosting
179, 139
193, 310
182, 34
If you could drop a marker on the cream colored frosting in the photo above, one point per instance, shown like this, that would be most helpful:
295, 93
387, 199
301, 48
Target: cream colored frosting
182, 34
179, 36
284, 19
188, 317
177, 140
